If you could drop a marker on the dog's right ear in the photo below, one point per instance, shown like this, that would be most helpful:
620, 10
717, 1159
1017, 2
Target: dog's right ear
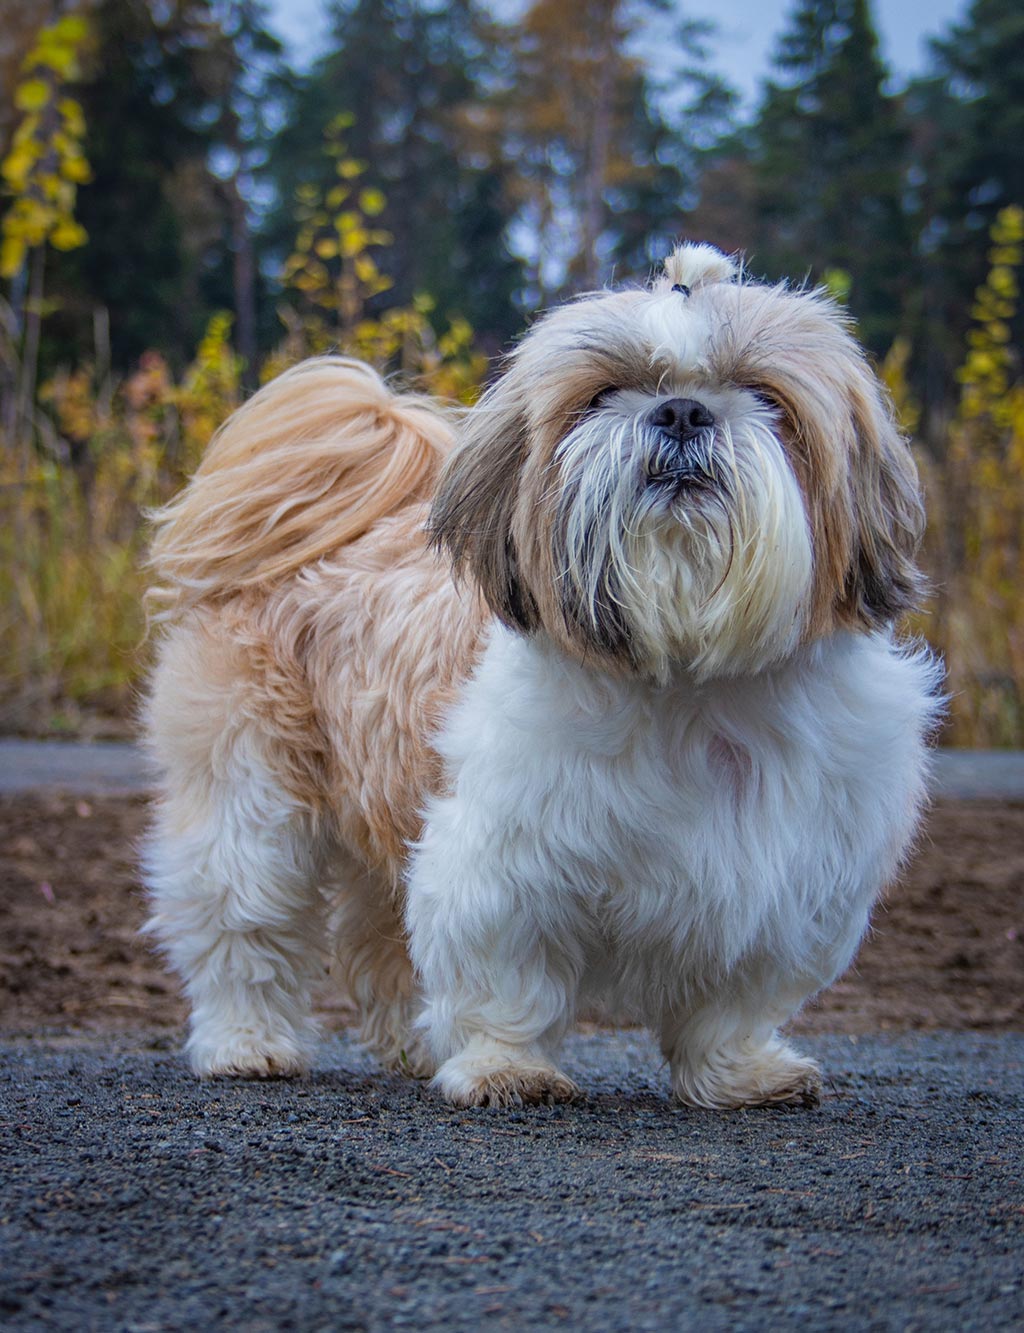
473, 513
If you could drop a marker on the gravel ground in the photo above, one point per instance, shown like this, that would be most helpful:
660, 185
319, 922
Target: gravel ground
136, 1198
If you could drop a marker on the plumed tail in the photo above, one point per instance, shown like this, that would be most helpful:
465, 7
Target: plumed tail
309, 463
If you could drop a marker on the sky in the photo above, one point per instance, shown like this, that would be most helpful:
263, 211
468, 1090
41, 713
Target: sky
746, 32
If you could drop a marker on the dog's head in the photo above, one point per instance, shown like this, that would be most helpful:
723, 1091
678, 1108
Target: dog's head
704, 473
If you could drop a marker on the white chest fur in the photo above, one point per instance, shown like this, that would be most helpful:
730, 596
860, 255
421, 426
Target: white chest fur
650, 840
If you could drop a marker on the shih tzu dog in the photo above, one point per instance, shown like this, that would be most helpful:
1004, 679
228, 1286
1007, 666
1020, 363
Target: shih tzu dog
590, 695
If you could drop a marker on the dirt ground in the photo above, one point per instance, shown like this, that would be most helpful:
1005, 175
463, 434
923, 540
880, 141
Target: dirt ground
946, 950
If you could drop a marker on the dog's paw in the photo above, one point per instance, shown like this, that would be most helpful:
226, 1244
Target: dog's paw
799, 1085
773, 1076
247, 1055
480, 1080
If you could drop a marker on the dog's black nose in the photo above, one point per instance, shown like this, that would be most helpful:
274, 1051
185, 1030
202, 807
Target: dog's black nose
682, 418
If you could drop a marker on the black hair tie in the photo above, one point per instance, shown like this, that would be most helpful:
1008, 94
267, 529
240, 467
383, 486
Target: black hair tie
678, 287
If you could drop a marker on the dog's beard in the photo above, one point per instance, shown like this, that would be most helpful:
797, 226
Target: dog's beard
694, 555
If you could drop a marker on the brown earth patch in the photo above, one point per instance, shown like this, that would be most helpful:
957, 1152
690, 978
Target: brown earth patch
946, 950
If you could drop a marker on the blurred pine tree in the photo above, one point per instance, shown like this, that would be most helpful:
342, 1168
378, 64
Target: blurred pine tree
828, 153
603, 162
163, 99
968, 118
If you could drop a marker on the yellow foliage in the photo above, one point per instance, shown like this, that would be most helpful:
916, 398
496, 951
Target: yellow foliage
32, 95
334, 274
74, 168
837, 282
45, 163
68, 235
894, 373
372, 202
210, 389
975, 539
72, 532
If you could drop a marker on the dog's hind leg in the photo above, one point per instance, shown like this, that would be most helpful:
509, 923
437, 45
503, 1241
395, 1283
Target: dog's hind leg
232, 870
376, 973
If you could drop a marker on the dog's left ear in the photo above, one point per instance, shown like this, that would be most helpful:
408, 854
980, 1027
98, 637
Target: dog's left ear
473, 513
883, 580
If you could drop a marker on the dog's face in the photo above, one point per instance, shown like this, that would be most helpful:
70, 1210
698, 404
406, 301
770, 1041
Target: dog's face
702, 474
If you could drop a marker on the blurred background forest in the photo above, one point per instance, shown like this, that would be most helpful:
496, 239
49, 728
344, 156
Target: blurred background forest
183, 214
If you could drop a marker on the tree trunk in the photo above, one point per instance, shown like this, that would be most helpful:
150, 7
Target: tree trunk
244, 275
30, 356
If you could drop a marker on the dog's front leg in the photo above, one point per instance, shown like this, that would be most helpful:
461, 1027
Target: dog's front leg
727, 1051
499, 959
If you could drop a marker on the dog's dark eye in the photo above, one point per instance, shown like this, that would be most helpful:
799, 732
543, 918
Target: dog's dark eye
765, 399
598, 399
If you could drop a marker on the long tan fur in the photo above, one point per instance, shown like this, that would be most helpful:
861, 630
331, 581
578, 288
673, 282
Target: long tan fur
310, 643
309, 464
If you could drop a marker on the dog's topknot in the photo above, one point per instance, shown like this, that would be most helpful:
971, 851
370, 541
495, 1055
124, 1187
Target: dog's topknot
691, 266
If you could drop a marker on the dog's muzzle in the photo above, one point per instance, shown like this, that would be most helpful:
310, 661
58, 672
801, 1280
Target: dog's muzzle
684, 430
